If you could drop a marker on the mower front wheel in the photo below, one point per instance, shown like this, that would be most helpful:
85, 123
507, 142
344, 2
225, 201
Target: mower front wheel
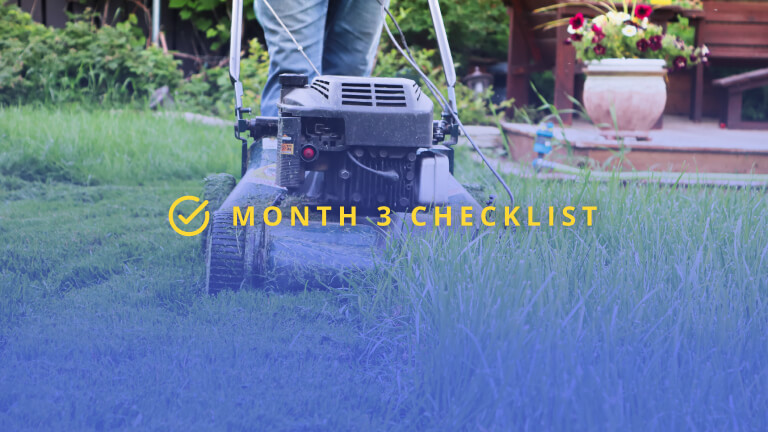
225, 254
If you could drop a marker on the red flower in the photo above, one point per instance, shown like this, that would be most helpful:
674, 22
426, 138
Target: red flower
600, 50
680, 62
577, 21
642, 45
643, 11
655, 42
576, 37
693, 58
599, 35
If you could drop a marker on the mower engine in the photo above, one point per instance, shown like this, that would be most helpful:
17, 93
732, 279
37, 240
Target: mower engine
363, 142
342, 141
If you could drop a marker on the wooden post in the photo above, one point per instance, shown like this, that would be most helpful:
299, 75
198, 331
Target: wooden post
34, 8
56, 13
565, 66
734, 108
697, 81
517, 63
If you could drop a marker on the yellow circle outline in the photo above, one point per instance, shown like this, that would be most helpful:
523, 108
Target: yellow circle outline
173, 223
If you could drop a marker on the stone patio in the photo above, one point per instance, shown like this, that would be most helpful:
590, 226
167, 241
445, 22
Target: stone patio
681, 146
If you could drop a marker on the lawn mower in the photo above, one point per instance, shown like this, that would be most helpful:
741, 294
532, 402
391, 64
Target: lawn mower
367, 146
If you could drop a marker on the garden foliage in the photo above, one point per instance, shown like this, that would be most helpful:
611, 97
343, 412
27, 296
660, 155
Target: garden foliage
113, 65
79, 63
211, 18
475, 27
210, 91
109, 65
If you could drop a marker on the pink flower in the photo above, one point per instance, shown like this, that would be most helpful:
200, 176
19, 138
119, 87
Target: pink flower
577, 21
600, 50
642, 45
643, 11
599, 35
573, 38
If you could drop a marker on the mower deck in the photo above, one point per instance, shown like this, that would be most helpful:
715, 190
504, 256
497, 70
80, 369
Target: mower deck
292, 257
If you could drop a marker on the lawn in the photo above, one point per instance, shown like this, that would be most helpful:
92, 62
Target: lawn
654, 318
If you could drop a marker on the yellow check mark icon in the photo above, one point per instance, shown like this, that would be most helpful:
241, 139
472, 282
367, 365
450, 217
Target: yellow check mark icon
188, 219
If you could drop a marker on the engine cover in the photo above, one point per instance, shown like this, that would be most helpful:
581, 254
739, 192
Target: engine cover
365, 136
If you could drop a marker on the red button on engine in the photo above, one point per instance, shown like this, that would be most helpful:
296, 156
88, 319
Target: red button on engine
308, 153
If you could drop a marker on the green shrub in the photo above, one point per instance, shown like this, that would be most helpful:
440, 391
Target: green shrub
475, 27
79, 63
211, 18
112, 65
210, 91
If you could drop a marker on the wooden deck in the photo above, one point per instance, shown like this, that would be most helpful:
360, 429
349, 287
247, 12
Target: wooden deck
681, 146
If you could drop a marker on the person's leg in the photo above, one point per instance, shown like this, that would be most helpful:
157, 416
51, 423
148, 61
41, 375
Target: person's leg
306, 21
352, 36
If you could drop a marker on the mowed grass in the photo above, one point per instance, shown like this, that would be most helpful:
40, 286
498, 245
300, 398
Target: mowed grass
84, 146
652, 319
111, 331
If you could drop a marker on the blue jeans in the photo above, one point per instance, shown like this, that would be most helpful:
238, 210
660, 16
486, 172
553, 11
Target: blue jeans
339, 36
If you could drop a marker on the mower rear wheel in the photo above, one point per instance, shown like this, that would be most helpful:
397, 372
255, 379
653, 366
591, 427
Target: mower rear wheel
225, 255
217, 188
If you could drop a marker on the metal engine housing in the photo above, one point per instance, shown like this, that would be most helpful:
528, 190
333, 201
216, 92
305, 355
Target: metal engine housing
356, 141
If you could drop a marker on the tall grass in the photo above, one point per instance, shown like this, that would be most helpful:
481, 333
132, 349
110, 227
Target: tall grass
652, 319
86, 146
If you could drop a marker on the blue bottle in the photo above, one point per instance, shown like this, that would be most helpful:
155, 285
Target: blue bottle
543, 143
543, 146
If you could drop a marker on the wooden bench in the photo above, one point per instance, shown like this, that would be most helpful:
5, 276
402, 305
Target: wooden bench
735, 86
735, 33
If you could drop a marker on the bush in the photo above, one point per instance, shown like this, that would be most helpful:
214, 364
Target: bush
79, 63
210, 91
84, 64
211, 18
475, 27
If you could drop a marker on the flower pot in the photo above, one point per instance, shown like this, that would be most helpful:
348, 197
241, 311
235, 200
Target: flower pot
635, 89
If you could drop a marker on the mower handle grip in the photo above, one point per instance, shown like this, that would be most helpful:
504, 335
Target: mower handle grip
260, 127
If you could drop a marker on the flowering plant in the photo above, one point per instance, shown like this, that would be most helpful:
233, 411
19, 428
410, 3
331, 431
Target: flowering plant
627, 33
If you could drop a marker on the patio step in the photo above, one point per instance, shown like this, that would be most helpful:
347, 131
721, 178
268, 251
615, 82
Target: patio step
682, 146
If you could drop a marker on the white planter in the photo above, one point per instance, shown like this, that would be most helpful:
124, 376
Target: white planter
635, 89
